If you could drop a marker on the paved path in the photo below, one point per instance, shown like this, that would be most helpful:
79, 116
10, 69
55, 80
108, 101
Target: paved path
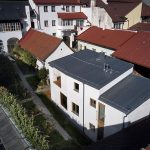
41, 106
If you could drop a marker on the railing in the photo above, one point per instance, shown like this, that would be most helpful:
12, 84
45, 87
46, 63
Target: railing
10, 27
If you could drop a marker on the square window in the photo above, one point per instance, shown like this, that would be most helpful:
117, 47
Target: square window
76, 87
53, 8
46, 23
75, 109
45, 8
92, 127
93, 102
53, 23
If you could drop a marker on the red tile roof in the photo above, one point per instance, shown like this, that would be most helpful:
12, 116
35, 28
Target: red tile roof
39, 44
68, 16
145, 10
140, 27
57, 2
136, 50
112, 39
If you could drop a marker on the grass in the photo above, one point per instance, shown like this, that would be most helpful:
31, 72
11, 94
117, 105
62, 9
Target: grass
64, 122
33, 81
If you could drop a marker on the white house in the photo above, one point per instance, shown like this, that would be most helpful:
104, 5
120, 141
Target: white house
99, 40
98, 93
45, 48
14, 21
58, 18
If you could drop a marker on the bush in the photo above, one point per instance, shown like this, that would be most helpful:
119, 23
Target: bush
25, 56
23, 121
42, 74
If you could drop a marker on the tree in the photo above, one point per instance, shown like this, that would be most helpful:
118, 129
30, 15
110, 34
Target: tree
42, 74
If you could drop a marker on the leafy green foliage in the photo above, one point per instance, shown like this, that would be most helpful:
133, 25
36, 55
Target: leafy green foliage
25, 56
42, 74
23, 121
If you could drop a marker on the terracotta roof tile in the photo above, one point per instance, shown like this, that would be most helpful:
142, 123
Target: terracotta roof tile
145, 10
39, 44
78, 15
57, 2
112, 39
136, 50
140, 27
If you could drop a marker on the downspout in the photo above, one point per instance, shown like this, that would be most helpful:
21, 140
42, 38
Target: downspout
39, 18
83, 107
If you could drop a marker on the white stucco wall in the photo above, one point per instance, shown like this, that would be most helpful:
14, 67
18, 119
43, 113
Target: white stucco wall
62, 51
96, 48
5, 36
140, 112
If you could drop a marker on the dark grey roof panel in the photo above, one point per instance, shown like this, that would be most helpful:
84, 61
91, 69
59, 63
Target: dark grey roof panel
128, 94
88, 67
10, 10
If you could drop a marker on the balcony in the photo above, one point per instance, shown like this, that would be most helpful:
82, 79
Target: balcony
5, 27
58, 82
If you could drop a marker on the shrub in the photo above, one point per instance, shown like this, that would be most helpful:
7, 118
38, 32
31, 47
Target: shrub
23, 121
42, 74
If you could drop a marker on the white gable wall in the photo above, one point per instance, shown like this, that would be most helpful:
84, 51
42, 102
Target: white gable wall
82, 45
140, 112
62, 51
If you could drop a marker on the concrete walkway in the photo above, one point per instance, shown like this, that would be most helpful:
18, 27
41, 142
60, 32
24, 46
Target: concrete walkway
38, 102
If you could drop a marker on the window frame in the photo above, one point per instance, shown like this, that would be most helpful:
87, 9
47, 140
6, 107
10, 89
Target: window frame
67, 8
63, 101
45, 23
75, 109
92, 102
73, 8
45, 8
53, 9
75, 87
53, 22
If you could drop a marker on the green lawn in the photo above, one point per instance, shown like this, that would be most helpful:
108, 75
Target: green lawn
65, 123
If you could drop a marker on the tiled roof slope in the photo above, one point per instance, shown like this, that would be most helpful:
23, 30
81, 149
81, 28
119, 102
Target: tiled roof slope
145, 10
10, 10
39, 44
57, 2
77, 15
136, 50
140, 27
112, 39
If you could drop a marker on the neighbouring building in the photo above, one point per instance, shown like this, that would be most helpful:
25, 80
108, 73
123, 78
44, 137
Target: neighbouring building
14, 21
98, 93
137, 51
100, 40
113, 14
140, 27
45, 48
60, 18
145, 15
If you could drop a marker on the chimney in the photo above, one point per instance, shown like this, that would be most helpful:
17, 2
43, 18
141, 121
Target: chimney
105, 1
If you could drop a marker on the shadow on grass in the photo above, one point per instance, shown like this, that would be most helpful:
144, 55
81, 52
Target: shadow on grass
64, 121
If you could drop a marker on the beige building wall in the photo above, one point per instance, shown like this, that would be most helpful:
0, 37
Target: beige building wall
133, 17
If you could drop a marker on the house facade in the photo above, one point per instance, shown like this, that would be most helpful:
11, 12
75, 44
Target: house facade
60, 18
13, 25
82, 95
45, 48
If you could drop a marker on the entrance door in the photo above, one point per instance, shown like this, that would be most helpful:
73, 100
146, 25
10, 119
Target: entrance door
101, 119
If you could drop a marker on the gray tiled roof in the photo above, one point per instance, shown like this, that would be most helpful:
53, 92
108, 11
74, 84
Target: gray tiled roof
128, 94
88, 67
12, 10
